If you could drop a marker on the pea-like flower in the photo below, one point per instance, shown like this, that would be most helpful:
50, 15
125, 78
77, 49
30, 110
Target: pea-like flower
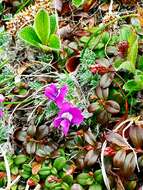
68, 116
1, 98
55, 94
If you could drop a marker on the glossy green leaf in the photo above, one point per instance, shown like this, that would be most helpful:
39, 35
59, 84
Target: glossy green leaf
59, 163
53, 24
95, 187
85, 179
77, 3
54, 42
28, 35
42, 25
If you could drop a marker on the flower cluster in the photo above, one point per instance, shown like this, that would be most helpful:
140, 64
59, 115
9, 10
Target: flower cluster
68, 115
1, 101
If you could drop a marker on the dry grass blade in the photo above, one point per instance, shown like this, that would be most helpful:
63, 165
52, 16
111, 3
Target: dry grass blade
106, 181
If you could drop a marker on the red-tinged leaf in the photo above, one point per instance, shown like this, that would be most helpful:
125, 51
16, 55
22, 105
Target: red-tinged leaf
20, 135
99, 92
103, 117
105, 80
117, 139
91, 157
93, 107
102, 93
31, 147
136, 135
119, 158
129, 164
112, 106
89, 137
35, 168
31, 130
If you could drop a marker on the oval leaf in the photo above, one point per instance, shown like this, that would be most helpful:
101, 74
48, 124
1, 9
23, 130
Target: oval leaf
117, 139
31, 147
91, 157
28, 35
42, 25
119, 158
112, 107
54, 42
105, 80
53, 24
129, 164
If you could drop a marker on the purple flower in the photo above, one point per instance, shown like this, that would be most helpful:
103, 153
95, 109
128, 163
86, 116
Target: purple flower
68, 116
1, 113
55, 94
1, 98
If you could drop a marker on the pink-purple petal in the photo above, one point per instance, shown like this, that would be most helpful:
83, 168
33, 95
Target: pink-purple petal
77, 116
65, 108
65, 124
60, 98
1, 113
51, 91
57, 122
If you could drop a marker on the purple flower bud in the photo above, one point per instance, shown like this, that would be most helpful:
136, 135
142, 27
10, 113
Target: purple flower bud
55, 94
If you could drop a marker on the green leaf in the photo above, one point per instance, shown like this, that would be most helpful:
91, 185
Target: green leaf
59, 163
53, 23
140, 63
125, 31
77, 3
85, 179
134, 85
126, 66
29, 35
54, 42
132, 50
42, 25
